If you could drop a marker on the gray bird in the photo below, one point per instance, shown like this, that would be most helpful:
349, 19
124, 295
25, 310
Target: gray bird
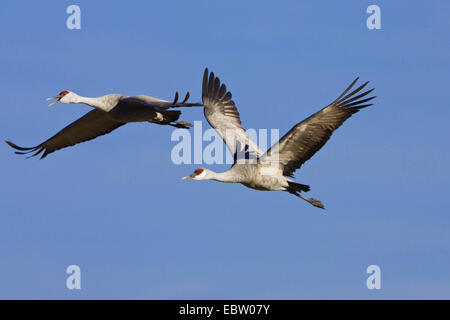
273, 170
110, 112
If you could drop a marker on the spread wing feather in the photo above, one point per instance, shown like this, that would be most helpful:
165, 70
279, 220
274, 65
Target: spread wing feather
307, 137
221, 113
93, 124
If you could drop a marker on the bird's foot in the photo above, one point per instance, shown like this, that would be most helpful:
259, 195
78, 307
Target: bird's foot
181, 124
316, 203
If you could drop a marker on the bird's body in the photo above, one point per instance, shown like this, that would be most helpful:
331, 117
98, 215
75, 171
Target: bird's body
110, 112
273, 170
127, 109
252, 176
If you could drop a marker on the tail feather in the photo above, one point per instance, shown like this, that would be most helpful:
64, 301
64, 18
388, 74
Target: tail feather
298, 187
170, 115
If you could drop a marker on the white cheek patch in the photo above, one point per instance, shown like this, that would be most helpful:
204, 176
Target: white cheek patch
201, 175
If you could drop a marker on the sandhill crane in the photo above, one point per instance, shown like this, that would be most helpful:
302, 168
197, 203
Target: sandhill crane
110, 112
272, 170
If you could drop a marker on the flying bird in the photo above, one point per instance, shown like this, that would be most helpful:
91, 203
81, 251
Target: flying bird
273, 170
110, 112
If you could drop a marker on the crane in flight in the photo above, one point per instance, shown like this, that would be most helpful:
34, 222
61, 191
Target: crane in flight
273, 170
110, 112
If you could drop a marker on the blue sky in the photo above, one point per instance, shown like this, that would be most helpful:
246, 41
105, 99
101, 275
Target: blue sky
116, 206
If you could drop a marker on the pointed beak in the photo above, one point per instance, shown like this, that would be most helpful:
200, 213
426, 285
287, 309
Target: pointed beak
54, 102
189, 177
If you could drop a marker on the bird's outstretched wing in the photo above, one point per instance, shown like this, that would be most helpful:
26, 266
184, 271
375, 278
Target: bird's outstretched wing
307, 137
223, 116
93, 124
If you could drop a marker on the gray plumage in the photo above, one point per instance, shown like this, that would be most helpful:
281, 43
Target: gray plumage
110, 112
273, 169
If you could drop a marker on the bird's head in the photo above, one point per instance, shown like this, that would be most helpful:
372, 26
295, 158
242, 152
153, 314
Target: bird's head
63, 97
199, 174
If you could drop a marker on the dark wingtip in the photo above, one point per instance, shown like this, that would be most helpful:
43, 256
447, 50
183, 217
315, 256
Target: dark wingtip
187, 97
205, 82
205, 75
175, 99
194, 104
15, 146
184, 103
22, 150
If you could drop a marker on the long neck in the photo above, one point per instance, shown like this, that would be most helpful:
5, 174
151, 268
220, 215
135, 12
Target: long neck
226, 176
97, 103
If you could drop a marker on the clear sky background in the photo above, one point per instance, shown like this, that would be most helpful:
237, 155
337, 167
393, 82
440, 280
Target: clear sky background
116, 206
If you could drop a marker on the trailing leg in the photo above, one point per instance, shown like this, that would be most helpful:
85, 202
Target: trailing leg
296, 188
181, 124
314, 202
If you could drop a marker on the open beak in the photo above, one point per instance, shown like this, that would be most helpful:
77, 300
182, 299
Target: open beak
54, 102
189, 177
